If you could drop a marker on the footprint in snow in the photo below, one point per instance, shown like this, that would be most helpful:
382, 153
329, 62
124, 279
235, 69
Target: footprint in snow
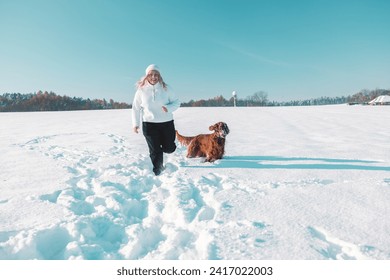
331, 247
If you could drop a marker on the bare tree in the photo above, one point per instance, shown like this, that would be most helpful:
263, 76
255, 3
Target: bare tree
259, 98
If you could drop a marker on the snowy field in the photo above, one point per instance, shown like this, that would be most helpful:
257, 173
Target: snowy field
296, 183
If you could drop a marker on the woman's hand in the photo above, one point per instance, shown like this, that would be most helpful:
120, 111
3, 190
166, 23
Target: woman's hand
136, 129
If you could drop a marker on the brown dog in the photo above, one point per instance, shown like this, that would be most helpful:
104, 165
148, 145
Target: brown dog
211, 146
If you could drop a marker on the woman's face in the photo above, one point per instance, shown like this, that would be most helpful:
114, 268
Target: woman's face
153, 77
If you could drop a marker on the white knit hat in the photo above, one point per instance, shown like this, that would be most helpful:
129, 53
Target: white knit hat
152, 67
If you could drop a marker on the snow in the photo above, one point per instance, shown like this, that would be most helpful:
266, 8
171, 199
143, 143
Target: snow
296, 183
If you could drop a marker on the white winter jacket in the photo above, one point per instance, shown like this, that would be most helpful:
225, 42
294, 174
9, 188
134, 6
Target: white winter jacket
148, 102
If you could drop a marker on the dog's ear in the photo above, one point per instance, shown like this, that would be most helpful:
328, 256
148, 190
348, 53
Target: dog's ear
212, 127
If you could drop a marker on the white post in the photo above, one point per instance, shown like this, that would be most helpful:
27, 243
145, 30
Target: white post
234, 97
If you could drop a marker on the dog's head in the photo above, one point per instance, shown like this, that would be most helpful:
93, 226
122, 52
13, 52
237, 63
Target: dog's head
220, 128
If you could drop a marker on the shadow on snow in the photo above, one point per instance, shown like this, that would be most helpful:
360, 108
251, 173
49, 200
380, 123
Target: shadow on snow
275, 162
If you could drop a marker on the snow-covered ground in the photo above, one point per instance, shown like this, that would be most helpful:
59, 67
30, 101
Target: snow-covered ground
296, 183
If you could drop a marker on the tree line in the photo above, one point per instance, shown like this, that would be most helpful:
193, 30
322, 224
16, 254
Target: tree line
49, 101
260, 98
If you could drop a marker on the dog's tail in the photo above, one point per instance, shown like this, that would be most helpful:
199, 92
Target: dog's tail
183, 140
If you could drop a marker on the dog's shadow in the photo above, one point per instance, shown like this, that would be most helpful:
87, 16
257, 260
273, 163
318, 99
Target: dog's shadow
277, 162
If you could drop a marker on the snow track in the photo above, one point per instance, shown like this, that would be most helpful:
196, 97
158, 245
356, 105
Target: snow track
115, 208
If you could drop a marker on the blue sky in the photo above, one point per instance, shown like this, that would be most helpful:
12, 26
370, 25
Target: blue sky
289, 49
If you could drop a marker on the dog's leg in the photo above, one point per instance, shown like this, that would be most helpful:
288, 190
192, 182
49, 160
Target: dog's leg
192, 150
210, 157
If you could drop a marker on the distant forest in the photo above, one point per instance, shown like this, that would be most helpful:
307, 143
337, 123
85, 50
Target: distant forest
261, 99
49, 101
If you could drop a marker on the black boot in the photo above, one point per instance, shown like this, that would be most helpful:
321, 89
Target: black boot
157, 170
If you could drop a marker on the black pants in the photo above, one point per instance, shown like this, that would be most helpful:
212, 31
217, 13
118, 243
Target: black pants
161, 139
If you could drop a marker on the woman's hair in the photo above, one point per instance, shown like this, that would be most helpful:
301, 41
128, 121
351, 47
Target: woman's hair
141, 83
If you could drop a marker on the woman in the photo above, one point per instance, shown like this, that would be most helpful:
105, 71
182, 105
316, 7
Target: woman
155, 103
